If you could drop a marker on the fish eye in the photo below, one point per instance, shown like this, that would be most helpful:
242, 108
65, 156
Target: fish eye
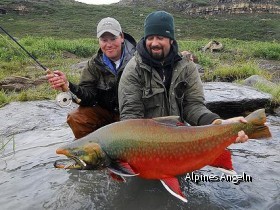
78, 153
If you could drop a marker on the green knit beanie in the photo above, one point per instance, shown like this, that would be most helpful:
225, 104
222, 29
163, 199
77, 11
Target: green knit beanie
159, 23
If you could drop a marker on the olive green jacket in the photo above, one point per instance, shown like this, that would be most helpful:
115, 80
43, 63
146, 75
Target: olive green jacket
143, 96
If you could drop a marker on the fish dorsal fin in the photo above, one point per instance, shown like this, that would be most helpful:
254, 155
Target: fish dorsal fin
122, 169
169, 120
224, 163
171, 184
257, 117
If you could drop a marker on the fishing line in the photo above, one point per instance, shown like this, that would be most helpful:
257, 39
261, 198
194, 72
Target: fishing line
65, 98
11, 45
24, 49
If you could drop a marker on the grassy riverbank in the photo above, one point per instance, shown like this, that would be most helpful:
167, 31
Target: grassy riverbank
60, 33
237, 61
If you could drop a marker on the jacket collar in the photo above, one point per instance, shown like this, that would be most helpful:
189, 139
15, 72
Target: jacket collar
128, 49
110, 64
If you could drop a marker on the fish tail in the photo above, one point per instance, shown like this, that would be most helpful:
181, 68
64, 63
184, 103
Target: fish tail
260, 132
258, 120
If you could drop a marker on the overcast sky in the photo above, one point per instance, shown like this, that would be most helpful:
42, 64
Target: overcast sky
98, 1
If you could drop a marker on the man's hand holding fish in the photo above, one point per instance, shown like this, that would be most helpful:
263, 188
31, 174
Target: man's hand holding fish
242, 137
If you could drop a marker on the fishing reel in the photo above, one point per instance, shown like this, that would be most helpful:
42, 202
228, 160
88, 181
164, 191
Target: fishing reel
64, 99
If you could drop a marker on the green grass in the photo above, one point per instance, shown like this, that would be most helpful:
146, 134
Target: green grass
237, 61
4, 98
238, 71
70, 20
273, 90
46, 48
234, 51
4, 143
52, 28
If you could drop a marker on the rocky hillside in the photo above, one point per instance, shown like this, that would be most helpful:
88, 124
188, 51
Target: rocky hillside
188, 7
211, 7
70, 19
25, 6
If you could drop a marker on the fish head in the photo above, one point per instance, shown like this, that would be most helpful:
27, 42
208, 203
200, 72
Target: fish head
89, 156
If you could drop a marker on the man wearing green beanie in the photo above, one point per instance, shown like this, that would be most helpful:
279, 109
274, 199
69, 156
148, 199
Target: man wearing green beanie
158, 81
160, 23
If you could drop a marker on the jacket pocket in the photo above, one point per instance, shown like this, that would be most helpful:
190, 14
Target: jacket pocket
153, 100
180, 89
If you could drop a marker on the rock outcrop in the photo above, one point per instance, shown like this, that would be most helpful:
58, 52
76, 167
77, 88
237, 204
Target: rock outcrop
17, 83
211, 7
230, 99
235, 7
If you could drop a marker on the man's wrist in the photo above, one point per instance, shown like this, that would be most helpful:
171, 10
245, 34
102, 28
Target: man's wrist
218, 122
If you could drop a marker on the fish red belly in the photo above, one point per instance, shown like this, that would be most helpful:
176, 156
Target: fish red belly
154, 167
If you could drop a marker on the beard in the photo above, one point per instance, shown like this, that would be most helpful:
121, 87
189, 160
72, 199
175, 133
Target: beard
157, 56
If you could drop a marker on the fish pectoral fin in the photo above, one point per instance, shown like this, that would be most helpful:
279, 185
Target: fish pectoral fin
122, 169
169, 120
116, 177
224, 163
171, 184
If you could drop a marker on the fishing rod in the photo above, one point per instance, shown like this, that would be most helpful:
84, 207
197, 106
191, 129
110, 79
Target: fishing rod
64, 99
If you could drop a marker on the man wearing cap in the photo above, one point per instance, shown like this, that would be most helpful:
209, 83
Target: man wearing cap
99, 81
158, 81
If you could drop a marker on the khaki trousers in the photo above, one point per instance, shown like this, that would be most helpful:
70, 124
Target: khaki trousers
85, 120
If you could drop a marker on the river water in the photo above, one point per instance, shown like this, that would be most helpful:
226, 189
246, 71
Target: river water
30, 132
